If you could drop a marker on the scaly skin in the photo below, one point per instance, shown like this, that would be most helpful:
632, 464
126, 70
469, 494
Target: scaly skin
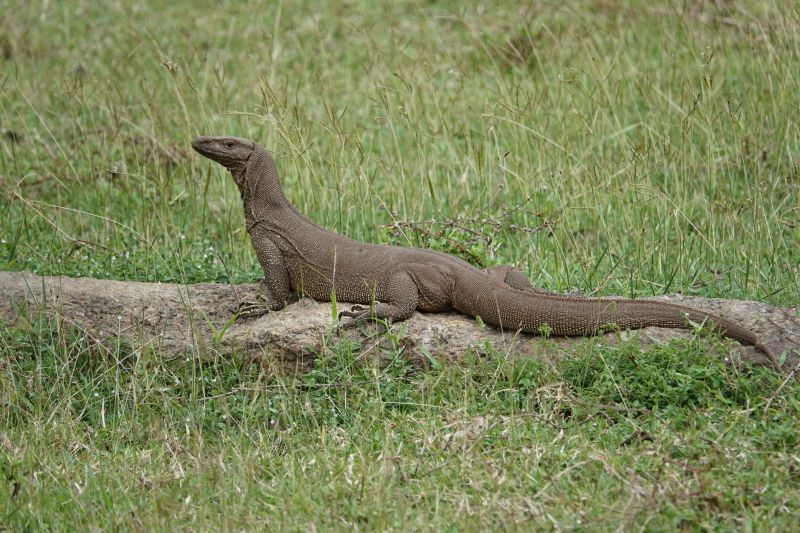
298, 255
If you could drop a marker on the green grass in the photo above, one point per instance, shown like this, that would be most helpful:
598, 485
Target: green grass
632, 148
131, 441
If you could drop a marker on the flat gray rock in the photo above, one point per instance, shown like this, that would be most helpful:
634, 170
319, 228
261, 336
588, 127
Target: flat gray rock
186, 320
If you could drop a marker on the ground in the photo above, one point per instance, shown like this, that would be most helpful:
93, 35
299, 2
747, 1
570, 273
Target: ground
631, 148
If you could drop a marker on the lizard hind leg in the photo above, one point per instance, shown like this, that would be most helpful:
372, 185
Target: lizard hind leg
401, 297
514, 278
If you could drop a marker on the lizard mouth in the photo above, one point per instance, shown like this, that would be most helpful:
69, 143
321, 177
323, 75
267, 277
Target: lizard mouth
203, 146
214, 149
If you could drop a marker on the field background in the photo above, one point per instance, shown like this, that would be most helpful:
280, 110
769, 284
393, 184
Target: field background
633, 148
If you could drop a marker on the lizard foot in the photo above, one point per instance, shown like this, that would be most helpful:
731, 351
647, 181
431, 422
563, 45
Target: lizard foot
252, 309
358, 314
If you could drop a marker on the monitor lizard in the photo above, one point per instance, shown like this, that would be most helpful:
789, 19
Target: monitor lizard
391, 282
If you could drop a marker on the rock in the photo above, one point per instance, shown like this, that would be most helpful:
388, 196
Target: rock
190, 320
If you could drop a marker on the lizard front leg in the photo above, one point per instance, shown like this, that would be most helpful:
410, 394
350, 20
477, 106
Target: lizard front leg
276, 284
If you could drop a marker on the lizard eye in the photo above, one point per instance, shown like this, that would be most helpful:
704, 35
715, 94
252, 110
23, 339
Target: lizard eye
229, 144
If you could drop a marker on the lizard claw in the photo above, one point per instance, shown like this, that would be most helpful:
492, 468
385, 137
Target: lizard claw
252, 309
356, 312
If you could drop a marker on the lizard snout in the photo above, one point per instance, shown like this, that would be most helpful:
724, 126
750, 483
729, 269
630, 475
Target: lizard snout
200, 143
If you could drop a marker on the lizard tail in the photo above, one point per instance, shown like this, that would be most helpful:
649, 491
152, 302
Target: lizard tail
580, 316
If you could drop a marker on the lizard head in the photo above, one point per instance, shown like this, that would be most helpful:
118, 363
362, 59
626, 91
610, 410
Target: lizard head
230, 152
251, 167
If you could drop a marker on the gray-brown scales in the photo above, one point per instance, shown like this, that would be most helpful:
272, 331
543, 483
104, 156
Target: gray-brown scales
391, 282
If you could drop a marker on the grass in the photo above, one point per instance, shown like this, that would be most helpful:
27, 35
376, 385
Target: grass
633, 148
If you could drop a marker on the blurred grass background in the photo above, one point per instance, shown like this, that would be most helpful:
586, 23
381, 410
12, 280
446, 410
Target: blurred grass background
652, 145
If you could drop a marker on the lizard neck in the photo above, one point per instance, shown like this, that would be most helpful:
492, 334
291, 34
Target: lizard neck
260, 187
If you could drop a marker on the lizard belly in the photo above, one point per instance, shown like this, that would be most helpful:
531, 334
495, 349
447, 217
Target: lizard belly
311, 282
318, 284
